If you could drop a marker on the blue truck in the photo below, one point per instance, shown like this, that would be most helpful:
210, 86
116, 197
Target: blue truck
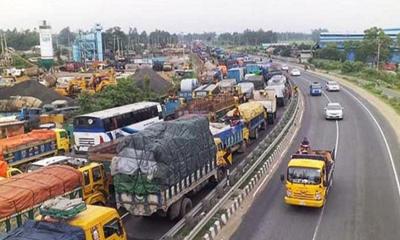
236, 73
315, 89
170, 107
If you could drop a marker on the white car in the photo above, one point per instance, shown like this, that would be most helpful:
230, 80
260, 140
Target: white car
295, 72
334, 111
285, 67
332, 86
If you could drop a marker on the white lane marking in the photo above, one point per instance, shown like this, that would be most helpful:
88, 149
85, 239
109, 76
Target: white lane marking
383, 136
319, 222
336, 149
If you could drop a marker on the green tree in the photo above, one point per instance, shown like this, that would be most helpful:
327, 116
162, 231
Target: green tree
376, 41
125, 92
316, 32
331, 52
66, 37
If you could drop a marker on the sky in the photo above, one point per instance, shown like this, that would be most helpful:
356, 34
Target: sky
203, 15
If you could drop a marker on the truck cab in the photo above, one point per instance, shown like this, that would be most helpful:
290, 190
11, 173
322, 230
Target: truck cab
308, 179
95, 183
63, 141
63, 217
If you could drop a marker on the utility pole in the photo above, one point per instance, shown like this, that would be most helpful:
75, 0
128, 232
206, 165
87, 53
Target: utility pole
379, 53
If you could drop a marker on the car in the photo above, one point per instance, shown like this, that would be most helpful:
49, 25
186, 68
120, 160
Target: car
315, 89
285, 68
332, 86
295, 72
333, 111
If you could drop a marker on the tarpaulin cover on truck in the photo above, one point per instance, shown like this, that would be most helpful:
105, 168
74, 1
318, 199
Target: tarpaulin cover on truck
26, 190
41, 230
248, 110
161, 155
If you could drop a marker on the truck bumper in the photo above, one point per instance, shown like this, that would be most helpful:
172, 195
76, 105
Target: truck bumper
304, 202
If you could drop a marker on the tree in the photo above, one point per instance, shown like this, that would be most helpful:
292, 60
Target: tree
376, 45
331, 52
316, 32
125, 92
66, 37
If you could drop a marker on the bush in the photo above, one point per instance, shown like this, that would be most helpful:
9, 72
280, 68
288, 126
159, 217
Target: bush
352, 67
326, 64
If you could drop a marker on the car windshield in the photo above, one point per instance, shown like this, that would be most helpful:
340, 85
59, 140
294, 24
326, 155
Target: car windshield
332, 83
316, 86
334, 107
33, 167
304, 175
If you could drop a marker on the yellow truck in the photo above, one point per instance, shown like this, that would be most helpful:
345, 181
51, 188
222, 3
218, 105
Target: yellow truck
253, 115
72, 219
309, 177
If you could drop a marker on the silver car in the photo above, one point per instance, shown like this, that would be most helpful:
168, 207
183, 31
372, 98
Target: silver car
334, 111
332, 86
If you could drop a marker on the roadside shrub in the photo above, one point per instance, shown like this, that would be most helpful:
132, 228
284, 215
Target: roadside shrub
326, 64
352, 67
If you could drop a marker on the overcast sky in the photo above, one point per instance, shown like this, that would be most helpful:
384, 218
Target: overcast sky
203, 15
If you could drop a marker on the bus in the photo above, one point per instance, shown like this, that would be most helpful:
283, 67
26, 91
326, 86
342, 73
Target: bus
104, 126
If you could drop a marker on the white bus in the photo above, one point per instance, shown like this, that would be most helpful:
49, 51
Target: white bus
104, 126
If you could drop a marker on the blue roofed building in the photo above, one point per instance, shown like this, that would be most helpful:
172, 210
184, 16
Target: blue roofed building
340, 38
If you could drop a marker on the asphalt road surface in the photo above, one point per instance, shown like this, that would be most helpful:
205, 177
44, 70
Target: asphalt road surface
364, 202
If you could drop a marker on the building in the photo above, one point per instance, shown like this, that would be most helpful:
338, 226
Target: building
46, 46
340, 38
88, 47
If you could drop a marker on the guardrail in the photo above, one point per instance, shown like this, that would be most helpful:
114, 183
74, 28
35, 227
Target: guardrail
203, 212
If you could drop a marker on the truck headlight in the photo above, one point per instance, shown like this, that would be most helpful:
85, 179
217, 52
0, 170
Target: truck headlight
288, 193
318, 196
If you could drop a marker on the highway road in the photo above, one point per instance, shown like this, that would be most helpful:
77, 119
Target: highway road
364, 202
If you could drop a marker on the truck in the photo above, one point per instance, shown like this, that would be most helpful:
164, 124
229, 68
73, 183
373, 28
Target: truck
280, 85
309, 177
86, 180
236, 73
65, 219
157, 170
257, 80
25, 148
267, 98
205, 90
246, 89
232, 137
215, 107
22, 195
187, 87
170, 107
253, 114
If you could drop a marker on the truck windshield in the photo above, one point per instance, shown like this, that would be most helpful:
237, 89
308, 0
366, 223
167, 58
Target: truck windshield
304, 175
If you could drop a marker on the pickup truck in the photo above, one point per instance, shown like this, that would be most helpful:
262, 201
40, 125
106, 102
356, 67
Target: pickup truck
309, 178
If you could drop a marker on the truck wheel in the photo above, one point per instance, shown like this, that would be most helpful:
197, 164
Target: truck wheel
256, 134
243, 146
174, 210
186, 206
221, 174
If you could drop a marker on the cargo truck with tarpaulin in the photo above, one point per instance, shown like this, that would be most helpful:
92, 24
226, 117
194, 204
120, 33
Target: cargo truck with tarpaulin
25, 148
253, 114
157, 169
64, 219
267, 98
22, 195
